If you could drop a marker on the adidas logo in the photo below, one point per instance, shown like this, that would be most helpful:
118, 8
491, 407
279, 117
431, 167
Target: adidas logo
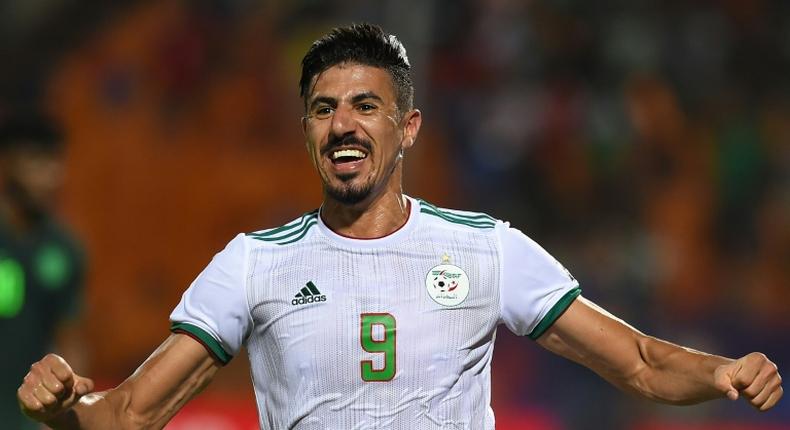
308, 294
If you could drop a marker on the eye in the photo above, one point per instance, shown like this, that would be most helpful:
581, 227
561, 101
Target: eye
322, 112
366, 107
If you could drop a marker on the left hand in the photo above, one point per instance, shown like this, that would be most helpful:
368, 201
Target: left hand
755, 377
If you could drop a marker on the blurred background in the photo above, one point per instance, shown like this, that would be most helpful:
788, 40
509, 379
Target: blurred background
645, 144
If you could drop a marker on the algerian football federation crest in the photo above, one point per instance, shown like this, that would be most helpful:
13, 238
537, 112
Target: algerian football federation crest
447, 284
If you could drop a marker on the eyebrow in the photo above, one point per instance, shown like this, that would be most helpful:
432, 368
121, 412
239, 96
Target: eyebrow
365, 96
331, 101
323, 100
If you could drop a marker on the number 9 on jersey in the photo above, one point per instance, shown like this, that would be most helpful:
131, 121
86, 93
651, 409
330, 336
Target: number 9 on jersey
377, 336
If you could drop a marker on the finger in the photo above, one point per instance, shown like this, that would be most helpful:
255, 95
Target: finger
767, 372
745, 375
53, 384
45, 397
60, 369
724, 384
31, 380
772, 399
83, 386
28, 401
755, 387
767, 390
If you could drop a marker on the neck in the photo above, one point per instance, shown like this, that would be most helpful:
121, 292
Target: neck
380, 216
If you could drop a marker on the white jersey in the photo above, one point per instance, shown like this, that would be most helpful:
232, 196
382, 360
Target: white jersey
388, 333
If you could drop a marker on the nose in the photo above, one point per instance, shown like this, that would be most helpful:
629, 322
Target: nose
343, 121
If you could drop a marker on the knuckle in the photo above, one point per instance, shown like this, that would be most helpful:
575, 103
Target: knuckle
757, 357
751, 391
28, 404
28, 400
48, 400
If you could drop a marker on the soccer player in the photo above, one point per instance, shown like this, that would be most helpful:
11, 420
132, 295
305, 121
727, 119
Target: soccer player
379, 310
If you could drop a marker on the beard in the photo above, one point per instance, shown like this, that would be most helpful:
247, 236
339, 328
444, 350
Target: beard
349, 193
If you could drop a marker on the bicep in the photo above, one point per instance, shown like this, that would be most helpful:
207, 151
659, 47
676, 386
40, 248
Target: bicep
178, 370
594, 338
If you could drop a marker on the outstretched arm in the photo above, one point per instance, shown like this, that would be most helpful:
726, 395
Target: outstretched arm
654, 368
178, 370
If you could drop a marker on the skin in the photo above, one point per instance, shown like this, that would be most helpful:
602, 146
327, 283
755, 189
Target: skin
654, 368
361, 102
177, 371
181, 367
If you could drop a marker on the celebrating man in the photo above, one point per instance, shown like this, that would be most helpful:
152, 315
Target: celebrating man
379, 310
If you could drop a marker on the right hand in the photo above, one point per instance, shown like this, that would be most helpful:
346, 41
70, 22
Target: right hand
51, 388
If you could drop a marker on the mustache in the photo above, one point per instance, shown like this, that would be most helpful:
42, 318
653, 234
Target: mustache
335, 142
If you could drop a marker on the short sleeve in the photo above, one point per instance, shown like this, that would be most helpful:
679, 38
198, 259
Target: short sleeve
535, 288
214, 310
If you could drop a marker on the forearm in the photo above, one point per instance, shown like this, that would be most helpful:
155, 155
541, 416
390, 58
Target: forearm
673, 374
177, 371
117, 409
94, 411
632, 361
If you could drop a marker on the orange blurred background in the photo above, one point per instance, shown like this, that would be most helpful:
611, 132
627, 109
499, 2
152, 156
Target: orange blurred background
647, 146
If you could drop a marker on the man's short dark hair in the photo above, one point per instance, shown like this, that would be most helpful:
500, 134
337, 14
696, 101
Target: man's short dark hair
364, 44
30, 131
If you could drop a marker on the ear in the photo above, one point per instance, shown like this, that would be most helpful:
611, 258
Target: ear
307, 140
411, 127
304, 126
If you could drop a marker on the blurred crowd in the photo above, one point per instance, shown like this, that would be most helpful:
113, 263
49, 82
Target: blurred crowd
645, 144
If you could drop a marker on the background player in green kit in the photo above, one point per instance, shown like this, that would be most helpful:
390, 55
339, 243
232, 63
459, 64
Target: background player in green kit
379, 310
40, 263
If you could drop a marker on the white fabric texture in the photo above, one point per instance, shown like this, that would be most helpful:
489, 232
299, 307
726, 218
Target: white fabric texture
532, 282
216, 302
297, 296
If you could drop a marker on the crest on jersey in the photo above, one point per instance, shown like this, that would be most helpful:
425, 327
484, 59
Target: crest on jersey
447, 284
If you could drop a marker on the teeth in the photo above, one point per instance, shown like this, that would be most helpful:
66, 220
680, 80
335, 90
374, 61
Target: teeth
348, 153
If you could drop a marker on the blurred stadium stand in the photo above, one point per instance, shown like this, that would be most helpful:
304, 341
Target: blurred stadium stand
646, 144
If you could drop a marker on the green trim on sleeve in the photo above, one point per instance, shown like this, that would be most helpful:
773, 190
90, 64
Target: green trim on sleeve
208, 341
558, 309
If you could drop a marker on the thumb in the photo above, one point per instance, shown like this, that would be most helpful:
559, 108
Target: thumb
724, 383
732, 393
82, 385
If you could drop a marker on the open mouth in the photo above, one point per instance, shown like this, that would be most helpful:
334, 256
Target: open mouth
346, 156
